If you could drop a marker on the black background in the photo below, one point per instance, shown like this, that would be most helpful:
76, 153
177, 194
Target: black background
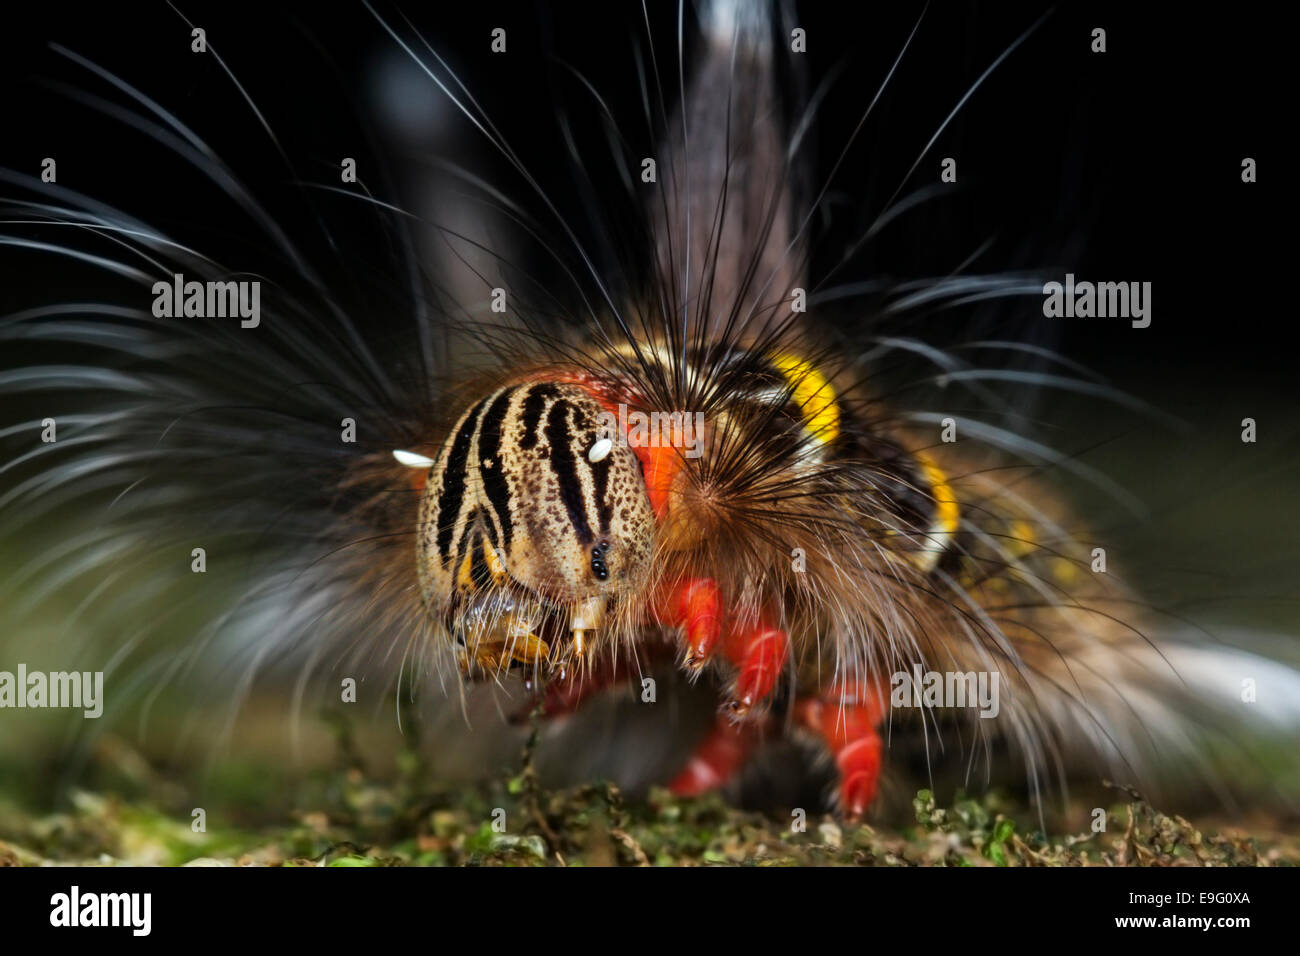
1116, 166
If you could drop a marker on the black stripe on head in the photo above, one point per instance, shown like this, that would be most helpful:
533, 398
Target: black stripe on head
464, 542
600, 485
565, 466
453, 482
534, 405
478, 567
490, 469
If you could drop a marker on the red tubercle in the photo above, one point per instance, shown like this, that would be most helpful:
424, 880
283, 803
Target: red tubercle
759, 651
660, 467
760, 654
699, 608
859, 767
846, 719
716, 759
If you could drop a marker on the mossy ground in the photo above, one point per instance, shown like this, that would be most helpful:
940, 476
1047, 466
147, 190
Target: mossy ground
593, 826
355, 820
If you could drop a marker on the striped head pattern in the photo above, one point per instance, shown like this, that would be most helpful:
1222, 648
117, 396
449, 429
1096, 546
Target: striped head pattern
531, 506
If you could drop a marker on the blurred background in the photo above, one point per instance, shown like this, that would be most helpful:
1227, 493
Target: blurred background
1121, 166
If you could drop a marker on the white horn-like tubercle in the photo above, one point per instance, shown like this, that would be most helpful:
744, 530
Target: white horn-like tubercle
600, 450
411, 460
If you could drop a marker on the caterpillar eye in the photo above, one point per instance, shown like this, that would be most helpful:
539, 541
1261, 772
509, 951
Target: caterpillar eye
529, 495
598, 565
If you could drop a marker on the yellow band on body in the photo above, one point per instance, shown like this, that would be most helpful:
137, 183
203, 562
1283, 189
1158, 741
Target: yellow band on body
814, 395
947, 513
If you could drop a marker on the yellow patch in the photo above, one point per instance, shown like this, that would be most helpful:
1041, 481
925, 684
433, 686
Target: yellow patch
814, 395
495, 567
463, 574
947, 513
1065, 570
1022, 538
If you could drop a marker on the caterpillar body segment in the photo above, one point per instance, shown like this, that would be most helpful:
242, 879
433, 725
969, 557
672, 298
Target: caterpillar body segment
796, 552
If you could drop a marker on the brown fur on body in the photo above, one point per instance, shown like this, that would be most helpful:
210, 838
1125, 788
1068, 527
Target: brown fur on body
832, 540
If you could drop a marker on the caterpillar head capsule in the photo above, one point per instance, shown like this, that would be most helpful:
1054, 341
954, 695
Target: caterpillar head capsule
533, 522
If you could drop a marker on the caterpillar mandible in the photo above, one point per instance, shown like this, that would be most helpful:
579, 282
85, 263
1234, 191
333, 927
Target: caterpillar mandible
689, 471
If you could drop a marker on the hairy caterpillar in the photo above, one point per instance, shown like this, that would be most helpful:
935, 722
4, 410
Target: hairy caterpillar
825, 539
